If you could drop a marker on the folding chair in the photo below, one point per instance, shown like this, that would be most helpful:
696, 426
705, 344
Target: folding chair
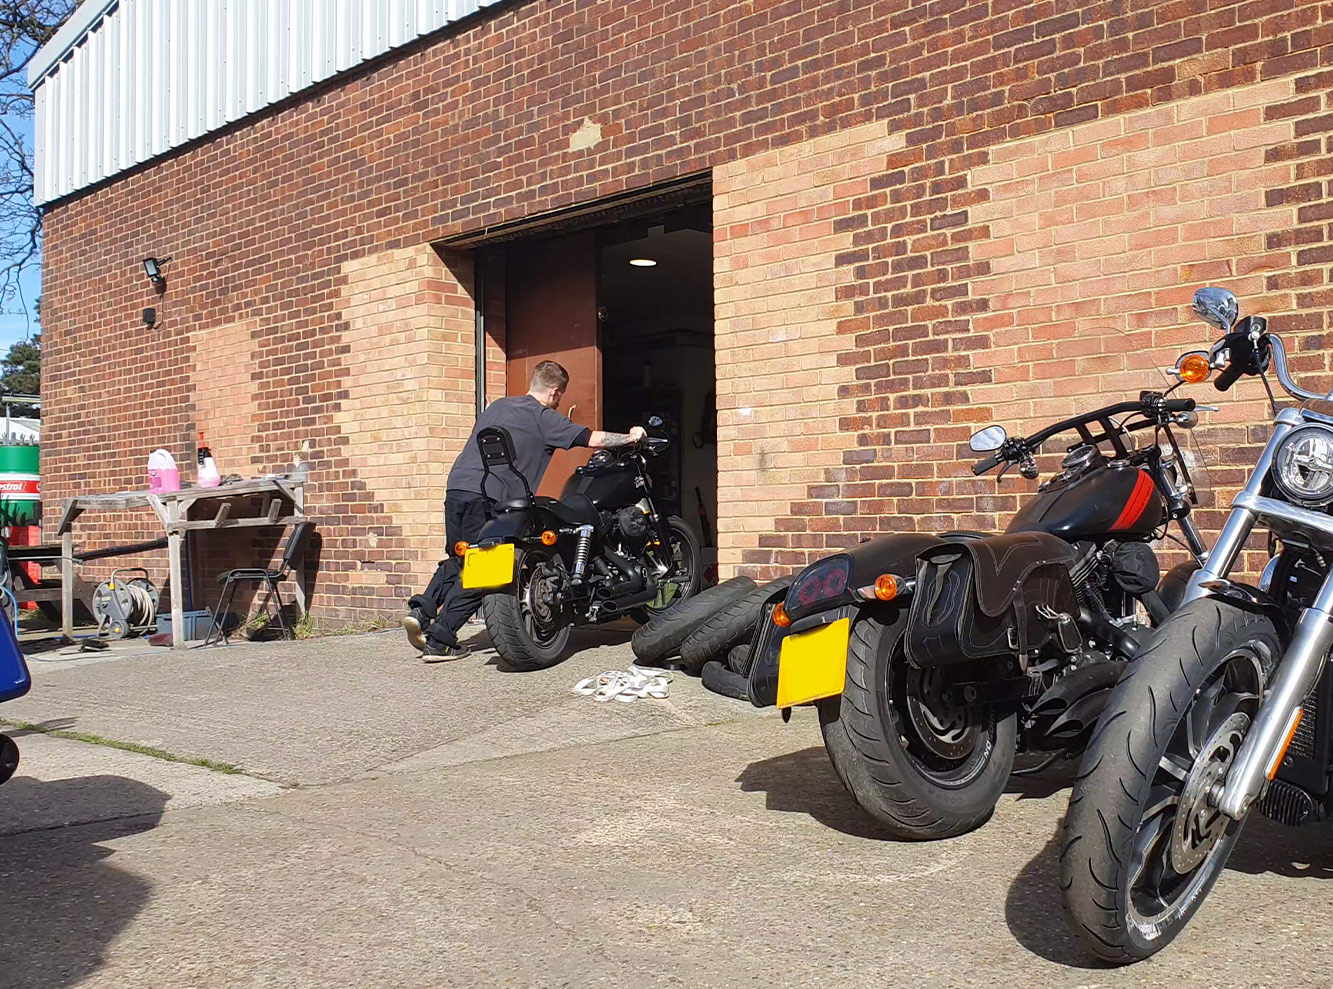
296, 542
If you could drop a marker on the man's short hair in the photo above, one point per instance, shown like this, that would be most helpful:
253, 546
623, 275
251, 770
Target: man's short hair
548, 374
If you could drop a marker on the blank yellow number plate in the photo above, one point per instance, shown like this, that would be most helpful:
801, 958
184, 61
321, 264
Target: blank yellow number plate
492, 567
813, 665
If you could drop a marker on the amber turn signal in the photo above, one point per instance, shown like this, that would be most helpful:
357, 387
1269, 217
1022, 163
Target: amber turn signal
780, 618
460, 548
886, 587
548, 538
1194, 368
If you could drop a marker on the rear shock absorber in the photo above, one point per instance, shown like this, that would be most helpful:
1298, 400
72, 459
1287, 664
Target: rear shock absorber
581, 553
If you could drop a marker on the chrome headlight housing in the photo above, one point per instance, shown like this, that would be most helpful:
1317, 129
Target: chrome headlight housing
1303, 466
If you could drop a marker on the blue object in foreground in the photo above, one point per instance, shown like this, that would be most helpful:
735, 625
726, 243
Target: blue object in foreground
14, 677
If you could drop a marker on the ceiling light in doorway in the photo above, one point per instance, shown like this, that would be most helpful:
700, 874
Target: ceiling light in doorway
643, 262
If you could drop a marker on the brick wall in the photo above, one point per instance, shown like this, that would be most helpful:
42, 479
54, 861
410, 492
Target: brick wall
929, 311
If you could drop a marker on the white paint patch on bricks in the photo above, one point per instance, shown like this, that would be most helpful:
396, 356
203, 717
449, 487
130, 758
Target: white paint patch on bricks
589, 135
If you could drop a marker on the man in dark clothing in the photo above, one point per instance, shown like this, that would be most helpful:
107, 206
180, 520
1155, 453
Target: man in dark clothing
537, 430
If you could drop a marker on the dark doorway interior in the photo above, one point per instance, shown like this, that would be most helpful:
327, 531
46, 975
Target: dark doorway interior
657, 349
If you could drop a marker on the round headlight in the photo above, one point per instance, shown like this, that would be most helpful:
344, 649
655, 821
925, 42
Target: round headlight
1303, 466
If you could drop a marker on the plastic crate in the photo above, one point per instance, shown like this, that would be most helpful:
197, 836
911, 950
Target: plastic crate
195, 622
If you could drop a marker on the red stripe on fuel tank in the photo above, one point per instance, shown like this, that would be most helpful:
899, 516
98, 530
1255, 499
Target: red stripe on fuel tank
1138, 501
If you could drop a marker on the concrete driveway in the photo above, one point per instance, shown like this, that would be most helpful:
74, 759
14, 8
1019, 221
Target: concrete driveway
395, 824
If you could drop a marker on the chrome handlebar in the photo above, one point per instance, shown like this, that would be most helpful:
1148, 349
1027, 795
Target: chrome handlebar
1284, 376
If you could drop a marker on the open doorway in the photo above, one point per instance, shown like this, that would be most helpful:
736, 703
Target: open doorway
655, 310
626, 304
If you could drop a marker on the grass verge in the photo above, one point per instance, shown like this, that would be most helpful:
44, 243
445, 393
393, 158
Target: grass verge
111, 743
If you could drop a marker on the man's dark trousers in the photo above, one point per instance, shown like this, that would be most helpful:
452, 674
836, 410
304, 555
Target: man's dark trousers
444, 600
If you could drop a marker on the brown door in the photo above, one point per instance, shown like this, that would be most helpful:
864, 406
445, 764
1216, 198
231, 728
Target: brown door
551, 315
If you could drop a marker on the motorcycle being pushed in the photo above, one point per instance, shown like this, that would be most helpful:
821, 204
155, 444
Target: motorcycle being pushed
1228, 709
601, 551
932, 660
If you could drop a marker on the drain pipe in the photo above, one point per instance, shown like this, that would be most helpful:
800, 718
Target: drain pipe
479, 331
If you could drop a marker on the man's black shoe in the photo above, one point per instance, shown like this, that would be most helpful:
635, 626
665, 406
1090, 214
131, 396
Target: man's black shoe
434, 653
416, 624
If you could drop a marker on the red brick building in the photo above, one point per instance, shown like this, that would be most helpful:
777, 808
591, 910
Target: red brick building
924, 216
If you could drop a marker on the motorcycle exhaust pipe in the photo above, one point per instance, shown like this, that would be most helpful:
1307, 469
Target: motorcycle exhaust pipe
616, 606
1121, 638
636, 580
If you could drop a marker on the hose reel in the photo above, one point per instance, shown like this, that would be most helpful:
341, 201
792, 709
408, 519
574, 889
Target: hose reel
126, 606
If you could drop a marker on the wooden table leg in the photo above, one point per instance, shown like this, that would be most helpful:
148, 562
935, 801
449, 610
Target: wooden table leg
174, 540
67, 585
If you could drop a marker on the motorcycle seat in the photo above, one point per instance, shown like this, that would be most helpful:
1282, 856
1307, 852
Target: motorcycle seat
577, 509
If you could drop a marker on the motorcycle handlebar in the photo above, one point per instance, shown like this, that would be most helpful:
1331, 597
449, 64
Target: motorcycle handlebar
1228, 377
1151, 408
981, 466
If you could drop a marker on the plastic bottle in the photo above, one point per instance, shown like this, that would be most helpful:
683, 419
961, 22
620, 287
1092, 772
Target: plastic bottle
208, 469
163, 474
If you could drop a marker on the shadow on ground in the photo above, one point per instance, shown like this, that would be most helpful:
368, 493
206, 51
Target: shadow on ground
804, 782
1035, 914
64, 901
1059, 775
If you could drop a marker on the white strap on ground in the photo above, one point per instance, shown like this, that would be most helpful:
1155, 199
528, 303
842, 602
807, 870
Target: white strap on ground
626, 686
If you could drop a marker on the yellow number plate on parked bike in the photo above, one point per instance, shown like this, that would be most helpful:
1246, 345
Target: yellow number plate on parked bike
813, 665
491, 567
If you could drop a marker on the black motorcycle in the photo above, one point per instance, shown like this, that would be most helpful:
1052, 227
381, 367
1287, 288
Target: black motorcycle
934, 659
1227, 711
599, 552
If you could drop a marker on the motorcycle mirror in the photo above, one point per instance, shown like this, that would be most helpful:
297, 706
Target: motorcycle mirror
990, 438
655, 422
1216, 307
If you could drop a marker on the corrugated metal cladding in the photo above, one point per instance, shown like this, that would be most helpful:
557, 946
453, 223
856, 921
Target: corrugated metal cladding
128, 80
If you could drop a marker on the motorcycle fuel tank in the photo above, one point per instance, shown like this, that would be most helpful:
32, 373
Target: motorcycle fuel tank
1110, 501
610, 485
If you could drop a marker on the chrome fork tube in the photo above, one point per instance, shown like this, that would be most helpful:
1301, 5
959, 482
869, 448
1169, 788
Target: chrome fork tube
1192, 539
1268, 738
1231, 540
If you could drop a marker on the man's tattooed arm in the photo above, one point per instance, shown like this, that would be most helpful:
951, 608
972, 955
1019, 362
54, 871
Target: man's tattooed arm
609, 441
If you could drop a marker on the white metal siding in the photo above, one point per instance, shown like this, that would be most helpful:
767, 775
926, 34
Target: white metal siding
128, 80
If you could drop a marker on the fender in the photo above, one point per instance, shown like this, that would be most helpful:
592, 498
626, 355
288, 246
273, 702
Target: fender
1248, 598
507, 526
832, 582
829, 590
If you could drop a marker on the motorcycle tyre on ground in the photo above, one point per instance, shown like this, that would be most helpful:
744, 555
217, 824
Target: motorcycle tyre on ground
1137, 728
865, 730
512, 633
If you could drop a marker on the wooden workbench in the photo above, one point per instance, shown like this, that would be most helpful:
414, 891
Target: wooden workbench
284, 504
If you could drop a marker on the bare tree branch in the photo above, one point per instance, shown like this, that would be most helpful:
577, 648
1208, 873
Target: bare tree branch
25, 25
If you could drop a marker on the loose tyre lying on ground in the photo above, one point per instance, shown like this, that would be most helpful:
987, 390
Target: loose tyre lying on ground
727, 626
661, 638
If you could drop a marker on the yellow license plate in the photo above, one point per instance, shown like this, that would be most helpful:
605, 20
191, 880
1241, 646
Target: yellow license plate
813, 665
491, 567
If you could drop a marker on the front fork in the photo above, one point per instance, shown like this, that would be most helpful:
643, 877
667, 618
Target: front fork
1299, 667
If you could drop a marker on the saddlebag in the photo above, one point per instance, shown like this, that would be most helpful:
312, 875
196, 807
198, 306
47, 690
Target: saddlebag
992, 598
